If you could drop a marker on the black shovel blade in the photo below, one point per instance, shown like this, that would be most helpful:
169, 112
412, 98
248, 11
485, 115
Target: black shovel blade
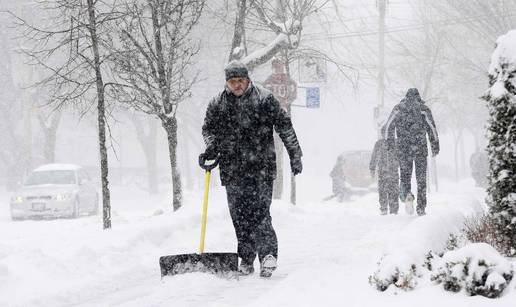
216, 263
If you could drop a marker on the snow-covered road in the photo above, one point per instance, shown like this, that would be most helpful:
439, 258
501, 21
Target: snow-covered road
327, 251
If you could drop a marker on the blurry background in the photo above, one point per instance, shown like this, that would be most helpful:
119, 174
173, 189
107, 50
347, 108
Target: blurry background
442, 47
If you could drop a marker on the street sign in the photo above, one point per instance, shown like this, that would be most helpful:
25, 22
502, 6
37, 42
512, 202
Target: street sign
312, 70
281, 85
313, 97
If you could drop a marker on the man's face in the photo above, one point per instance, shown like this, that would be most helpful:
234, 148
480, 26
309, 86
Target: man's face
238, 85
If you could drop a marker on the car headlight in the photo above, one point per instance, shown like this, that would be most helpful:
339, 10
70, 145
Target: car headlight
17, 199
64, 196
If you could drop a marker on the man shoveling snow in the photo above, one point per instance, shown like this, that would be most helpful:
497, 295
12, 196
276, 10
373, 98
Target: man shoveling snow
238, 132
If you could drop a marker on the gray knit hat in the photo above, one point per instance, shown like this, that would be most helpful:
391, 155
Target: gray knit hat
236, 69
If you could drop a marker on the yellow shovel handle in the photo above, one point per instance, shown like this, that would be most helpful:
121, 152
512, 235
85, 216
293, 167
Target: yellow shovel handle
205, 209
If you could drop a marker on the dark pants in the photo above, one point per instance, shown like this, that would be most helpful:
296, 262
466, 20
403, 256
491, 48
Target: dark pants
249, 204
388, 192
407, 160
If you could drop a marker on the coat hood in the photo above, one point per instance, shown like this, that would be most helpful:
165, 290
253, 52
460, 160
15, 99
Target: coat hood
412, 95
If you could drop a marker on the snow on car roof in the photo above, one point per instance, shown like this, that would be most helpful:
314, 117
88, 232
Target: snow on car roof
57, 167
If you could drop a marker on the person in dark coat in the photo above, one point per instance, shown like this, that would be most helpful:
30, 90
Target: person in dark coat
385, 159
411, 120
338, 178
238, 133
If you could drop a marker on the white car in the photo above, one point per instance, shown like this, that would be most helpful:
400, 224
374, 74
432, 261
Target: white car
55, 190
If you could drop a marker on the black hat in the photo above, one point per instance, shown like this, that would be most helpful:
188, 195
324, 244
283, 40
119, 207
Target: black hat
236, 69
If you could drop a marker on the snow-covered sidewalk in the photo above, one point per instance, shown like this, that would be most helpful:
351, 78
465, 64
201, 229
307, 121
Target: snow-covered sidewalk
327, 252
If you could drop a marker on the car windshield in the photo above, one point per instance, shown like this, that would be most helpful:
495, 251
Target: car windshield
51, 177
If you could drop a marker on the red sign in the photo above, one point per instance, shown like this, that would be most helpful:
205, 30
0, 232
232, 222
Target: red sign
281, 85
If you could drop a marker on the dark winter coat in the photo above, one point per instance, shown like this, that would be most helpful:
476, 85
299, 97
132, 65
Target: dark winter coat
385, 159
338, 179
240, 130
411, 120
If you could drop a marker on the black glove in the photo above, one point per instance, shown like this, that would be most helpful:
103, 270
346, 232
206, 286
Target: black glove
435, 152
296, 165
209, 155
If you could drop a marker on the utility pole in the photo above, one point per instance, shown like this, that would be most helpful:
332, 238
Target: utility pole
289, 111
382, 6
379, 112
277, 191
429, 67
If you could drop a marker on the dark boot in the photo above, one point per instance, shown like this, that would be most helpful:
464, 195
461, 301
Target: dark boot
420, 211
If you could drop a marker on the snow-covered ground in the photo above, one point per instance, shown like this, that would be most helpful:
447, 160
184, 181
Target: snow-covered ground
327, 252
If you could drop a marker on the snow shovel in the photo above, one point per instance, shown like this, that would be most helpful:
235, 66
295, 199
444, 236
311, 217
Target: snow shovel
225, 264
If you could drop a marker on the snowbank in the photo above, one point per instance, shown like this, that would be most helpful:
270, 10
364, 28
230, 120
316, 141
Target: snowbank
401, 263
327, 250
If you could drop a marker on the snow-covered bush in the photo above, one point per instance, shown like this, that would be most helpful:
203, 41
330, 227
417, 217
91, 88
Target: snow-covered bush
390, 273
454, 241
477, 268
420, 244
501, 98
403, 272
482, 229
433, 258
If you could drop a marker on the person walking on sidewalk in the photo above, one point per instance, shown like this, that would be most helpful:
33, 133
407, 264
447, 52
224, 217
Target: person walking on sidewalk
411, 120
385, 159
238, 133
338, 178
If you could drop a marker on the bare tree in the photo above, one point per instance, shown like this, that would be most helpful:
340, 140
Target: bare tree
153, 64
69, 43
11, 140
423, 60
283, 18
484, 19
49, 123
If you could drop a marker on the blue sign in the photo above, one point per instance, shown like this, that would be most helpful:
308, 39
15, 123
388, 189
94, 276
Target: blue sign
313, 97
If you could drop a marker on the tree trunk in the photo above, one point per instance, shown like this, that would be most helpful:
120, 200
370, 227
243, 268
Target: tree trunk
456, 155
239, 32
27, 144
49, 147
148, 143
14, 155
168, 119
170, 125
106, 208
152, 166
50, 134
462, 155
